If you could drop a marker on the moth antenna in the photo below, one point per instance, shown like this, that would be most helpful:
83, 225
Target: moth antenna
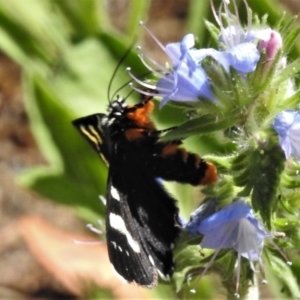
125, 55
129, 82
120, 88
128, 95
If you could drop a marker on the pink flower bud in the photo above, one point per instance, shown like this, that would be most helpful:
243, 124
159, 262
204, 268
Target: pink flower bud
271, 45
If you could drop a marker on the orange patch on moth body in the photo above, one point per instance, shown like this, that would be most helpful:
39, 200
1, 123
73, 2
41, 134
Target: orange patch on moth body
140, 116
134, 134
211, 175
169, 149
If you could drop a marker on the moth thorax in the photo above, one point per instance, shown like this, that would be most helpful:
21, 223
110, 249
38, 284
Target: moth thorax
106, 121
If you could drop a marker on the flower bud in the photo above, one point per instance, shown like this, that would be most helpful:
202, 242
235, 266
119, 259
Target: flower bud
272, 45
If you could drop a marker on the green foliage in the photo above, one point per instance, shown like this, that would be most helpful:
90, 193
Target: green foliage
285, 283
68, 51
256, 167
67, 61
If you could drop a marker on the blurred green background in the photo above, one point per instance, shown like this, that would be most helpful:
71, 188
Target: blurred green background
57, 58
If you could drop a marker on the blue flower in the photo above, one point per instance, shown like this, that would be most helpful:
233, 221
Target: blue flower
242, 57
239, 44
233, 227
206, 209
188, 81
287, 126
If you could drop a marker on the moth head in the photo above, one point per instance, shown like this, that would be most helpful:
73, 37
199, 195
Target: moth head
117, 107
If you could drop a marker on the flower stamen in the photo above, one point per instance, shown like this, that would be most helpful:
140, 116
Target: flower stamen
288, 262
142, 83
262, 271
159, 66
94, 229
147, 93
223, 241
238, 274
193, 290
153, 36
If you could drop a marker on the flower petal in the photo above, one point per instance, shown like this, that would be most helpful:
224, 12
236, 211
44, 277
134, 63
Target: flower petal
222, 237
232, 212
182, 87
287, 126
234, 227
206, 209
243, 57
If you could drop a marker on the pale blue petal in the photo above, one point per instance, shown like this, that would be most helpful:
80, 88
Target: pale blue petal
232, 212
220, 56
287, 125
186, 44
173, 51
283, 121
205, 210
250, 240
177, 52
182, 87
263, 34
233, 227
294, 137
221, 237
234, 36
243, 57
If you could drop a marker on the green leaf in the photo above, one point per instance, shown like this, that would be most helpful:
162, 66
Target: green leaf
285, 285
75, 176
284, 24
187, 258
291, 39
198, 11
136, 13
288, 72
214, 31
25, 33
269, 165
291, 102
83, 15
285, 224
201, 125
285, 204
258, 170
290, 182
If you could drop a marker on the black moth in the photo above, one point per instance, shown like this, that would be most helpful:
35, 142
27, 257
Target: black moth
141, 217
